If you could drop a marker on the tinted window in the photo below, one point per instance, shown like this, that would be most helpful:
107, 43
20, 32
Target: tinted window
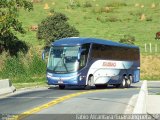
114, 52
84, 55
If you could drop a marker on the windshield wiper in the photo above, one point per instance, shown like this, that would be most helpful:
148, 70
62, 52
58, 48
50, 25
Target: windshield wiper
62, 59
64, 63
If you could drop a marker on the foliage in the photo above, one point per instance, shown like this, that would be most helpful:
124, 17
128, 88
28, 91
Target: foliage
127, 39
127, 22
74, 4
150, 71
13, 67
12, 44
9, 12
87, 4
23, 68
36, 65
116, 4
55, 27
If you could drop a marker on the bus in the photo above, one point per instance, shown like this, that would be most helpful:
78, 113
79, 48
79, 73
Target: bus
92, 62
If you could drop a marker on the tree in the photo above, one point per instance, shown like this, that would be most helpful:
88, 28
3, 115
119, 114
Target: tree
55, 27
9, 24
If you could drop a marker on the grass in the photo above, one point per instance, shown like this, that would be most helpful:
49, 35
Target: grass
121, 18
106, 19
150, 67
24, 68
29, 85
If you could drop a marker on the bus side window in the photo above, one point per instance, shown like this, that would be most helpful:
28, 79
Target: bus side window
83, 59
96, 51
84, 55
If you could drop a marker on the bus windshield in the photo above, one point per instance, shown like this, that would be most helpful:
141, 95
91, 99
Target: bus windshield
63, 59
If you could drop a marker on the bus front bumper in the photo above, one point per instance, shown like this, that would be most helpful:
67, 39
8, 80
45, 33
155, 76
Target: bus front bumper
68, 79
62, 82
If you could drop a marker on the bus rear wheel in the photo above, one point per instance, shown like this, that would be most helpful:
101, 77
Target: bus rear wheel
61, 87
123, 83
128, 82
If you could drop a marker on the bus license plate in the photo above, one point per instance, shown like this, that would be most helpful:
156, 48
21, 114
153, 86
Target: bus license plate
60, 81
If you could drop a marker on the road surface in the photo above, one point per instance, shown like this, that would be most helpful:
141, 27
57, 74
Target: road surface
52, 101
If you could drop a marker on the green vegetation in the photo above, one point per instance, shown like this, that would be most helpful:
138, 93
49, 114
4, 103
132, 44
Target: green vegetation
10, 25
23, 68
106, 19
55, 27
150, 69
128, 39
30, 84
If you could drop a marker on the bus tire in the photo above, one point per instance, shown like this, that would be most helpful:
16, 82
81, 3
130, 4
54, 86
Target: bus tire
89, 83
123, 83
61, 87
128, 82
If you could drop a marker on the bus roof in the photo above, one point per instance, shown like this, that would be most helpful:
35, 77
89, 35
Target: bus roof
72, 41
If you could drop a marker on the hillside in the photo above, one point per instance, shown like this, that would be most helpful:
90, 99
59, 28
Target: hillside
108, 19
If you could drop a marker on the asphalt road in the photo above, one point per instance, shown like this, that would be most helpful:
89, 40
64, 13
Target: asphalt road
153, 87
44, 102
104, 101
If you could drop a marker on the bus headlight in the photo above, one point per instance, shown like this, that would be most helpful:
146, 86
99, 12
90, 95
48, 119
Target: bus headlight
80, 78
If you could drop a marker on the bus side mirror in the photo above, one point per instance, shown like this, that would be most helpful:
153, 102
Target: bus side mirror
79, 56
45, 53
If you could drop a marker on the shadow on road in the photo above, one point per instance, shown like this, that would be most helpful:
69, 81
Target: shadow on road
92, 88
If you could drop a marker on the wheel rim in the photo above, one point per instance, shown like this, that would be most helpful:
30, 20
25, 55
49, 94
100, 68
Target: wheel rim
131, 79
128, 82
90, 81
124, 83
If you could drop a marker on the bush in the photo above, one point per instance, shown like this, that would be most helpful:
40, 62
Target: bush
87, 4
9, 42
55, 27
112, 19
23, 68
149, 19
116, 4
13, 67
37, 66
74, 4
97, 10
101, 19
127, 39
104, 9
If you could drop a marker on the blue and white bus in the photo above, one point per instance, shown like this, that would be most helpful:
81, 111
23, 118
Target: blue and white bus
92, 62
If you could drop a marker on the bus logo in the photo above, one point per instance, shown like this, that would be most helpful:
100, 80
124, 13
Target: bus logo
109, 64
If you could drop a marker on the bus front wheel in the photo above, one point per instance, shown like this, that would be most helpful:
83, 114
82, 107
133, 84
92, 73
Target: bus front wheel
61, 86
89, 83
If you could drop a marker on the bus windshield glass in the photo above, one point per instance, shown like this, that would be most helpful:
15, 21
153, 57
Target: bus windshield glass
63, 59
